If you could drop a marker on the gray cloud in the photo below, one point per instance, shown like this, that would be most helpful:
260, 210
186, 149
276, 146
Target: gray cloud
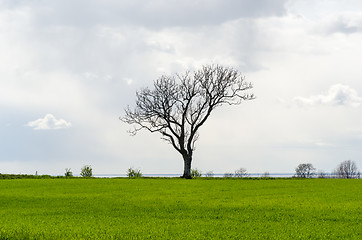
80, 39
150, 14
337, 95
346, 23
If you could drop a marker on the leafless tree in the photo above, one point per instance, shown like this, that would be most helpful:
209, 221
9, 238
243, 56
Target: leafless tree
179, 105
347, 169
305, 170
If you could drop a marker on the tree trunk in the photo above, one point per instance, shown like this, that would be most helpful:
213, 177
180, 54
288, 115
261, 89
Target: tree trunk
187, 166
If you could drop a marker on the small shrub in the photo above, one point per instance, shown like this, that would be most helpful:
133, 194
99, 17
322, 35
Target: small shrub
265, 175
241, 172
86, 171
195, 173
209, 174
321, 174
228, 175
68, 172
134, 173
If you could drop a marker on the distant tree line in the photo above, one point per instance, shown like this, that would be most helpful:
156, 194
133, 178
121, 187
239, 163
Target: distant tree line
346, 169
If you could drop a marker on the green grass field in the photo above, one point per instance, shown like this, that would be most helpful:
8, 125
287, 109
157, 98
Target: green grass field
79, 208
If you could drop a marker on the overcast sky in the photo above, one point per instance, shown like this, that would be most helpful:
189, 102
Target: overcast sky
69, 68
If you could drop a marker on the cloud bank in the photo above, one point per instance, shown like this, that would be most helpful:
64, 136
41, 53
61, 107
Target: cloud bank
84, 61
49, 122
151, 14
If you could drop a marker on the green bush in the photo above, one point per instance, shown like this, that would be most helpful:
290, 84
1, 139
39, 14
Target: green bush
24, 176
86, 171
68, 172
195, 173
134, 173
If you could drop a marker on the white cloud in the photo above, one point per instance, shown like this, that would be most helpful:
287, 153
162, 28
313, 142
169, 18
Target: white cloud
49, 122
337, 95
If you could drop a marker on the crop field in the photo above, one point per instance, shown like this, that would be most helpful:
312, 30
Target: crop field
78, 208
